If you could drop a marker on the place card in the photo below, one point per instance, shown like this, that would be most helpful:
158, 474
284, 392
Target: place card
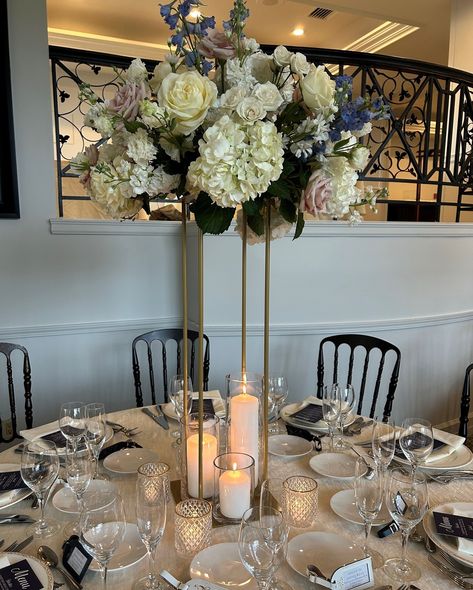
311, 413
11, 480
75, 558
358, 574
19, 576
453, 525
208, 406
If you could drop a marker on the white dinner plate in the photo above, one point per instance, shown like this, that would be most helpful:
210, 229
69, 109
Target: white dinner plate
130, 551
42, 572
326, 550
446, 543
456, 460
320, 426
10, 498
128, 460
287, 446
344, 505
65, 500
219, 405
336, 465
221, 564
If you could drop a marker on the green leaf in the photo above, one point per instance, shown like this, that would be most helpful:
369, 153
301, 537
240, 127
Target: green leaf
256, 223
281, 188
252, 207
300, 225
340, 144
211, 218
133, 126
288, 210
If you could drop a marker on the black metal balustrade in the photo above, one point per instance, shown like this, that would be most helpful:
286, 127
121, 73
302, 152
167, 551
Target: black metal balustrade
426, 142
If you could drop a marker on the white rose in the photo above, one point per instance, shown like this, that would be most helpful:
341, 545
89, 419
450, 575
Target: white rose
282, 56
187, 97
251, 109
299, 64
232, 97
137, 72
160, 72
261, 67
359, 158
318, 89
269, 95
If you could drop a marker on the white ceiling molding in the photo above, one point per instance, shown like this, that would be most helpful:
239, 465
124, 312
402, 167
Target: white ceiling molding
104, 44
387, 33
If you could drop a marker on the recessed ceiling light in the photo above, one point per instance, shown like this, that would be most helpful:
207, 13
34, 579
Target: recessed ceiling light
194, 13
298, 31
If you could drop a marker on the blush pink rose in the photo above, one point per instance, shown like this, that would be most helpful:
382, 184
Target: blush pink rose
92, 154
316, 194
127, 100
216, 45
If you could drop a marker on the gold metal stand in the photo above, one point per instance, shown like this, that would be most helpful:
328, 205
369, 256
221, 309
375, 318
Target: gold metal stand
200, 357
185, 315
243, 292
267, 269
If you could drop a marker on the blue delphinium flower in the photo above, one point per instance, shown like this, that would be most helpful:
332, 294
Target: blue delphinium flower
178, 39
206, 66
191, 58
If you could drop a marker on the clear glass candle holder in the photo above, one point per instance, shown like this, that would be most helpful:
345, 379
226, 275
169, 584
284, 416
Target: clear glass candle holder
152, 473
193, 526
300, 498
234, 485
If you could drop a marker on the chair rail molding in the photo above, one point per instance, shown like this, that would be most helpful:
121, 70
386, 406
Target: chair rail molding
105, 227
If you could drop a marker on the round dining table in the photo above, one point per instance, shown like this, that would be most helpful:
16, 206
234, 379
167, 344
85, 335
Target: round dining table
152, 436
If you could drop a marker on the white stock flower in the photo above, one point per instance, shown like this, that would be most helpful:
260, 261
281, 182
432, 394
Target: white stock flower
250, 109
160, 72
318, 89
140, 147
269, 95
187, 97
237, 162
237, 74
232, 97
310, 132
359, 158
137, 72
151, 114
250, 44
299, 64
99, 118
282, 56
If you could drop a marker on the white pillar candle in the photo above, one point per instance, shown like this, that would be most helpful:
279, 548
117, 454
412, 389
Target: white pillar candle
235, 492
244, 411
209, 452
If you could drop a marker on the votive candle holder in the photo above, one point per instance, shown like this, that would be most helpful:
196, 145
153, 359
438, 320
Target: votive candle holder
152, 474
300, 500
193, 526
234, 486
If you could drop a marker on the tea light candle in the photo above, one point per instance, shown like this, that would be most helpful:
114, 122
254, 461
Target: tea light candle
209, 452
235, 492
244, 410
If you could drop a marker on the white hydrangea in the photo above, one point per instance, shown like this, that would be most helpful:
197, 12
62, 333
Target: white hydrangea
344, 190
160, 182
151, 114
140, 147
136, 72
237, 162
237, 74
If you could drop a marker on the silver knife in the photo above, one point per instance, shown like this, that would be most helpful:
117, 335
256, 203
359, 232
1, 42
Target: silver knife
16, 518
161, 420
23, 544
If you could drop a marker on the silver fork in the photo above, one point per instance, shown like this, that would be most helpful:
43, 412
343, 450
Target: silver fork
460, 569
459, 581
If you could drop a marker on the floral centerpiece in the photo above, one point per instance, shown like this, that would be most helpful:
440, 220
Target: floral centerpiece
229, 127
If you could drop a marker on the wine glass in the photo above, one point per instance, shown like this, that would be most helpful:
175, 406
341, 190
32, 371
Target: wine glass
176, 395
331, 408
416, 441
150, 517
102, 526
383, 443
72, 421
407, 501
95, 433
78, 475
347, 403
369, 499
262, 543
39, 470
277, 391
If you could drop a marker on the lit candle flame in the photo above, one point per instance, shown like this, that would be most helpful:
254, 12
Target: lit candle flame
234, 466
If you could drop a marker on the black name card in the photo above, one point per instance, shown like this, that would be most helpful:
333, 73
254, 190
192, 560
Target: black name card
11, 480
311, 413
19, 576
208, 406
453, 525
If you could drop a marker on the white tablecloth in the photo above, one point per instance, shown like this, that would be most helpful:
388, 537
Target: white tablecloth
154, 437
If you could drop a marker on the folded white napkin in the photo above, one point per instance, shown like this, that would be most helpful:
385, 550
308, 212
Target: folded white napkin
464, 545
452, 443
39, 431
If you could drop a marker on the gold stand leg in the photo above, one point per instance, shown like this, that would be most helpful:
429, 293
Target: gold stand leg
185, 318
267, 269
243, 293
200, 358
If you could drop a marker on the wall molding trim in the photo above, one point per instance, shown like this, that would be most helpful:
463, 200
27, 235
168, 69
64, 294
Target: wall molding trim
101, 227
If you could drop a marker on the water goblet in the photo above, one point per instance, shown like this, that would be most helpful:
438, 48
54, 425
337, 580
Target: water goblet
383, 444
331, 408
262, 543
416, 441
39, 470
369, 499
150, 517
96, 424
277, 392
407, 501
347, 404
176, 395
78, 476
72, 420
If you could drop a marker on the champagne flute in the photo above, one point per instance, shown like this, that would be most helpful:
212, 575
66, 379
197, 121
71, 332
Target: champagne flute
39, 470
416, 441
331, 409
150, 517
79, 475
96, 431
369, 499
347, 403
407, 501
262, 543
176, 395
72, 421
102, 526
278, 392
383, 443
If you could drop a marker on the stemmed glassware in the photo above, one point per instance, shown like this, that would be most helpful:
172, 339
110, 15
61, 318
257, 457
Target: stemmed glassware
78, 475
150, 516
369, 489
262, 543
383, 443
407, 501
96, 423
331, 408
102, 526
416, 441
347, 403
39, 470
72, 421
278, 392
176, 395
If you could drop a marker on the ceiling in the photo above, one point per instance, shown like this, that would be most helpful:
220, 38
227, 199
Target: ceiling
272, 21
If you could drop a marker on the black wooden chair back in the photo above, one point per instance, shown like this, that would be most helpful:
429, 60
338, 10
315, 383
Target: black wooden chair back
6, 349
164, 336
368, 362
465, 403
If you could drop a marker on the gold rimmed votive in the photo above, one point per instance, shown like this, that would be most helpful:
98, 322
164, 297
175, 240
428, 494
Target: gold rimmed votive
300, 500
193, 526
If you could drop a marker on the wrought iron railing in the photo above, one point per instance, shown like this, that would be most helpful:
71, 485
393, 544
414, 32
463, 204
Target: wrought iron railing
426, 146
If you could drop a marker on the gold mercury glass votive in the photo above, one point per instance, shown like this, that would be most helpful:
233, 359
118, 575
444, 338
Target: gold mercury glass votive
193, 526
300, 500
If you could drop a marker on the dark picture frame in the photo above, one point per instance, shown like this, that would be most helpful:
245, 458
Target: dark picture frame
9, 203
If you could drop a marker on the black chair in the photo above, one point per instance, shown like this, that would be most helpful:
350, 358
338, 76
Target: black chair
368, 363
164, 336
465, 403
6, 349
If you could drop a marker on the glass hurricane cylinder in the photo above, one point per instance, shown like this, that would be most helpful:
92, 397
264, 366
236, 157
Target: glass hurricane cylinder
193, 526
244, 415
234, 484
300, 500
